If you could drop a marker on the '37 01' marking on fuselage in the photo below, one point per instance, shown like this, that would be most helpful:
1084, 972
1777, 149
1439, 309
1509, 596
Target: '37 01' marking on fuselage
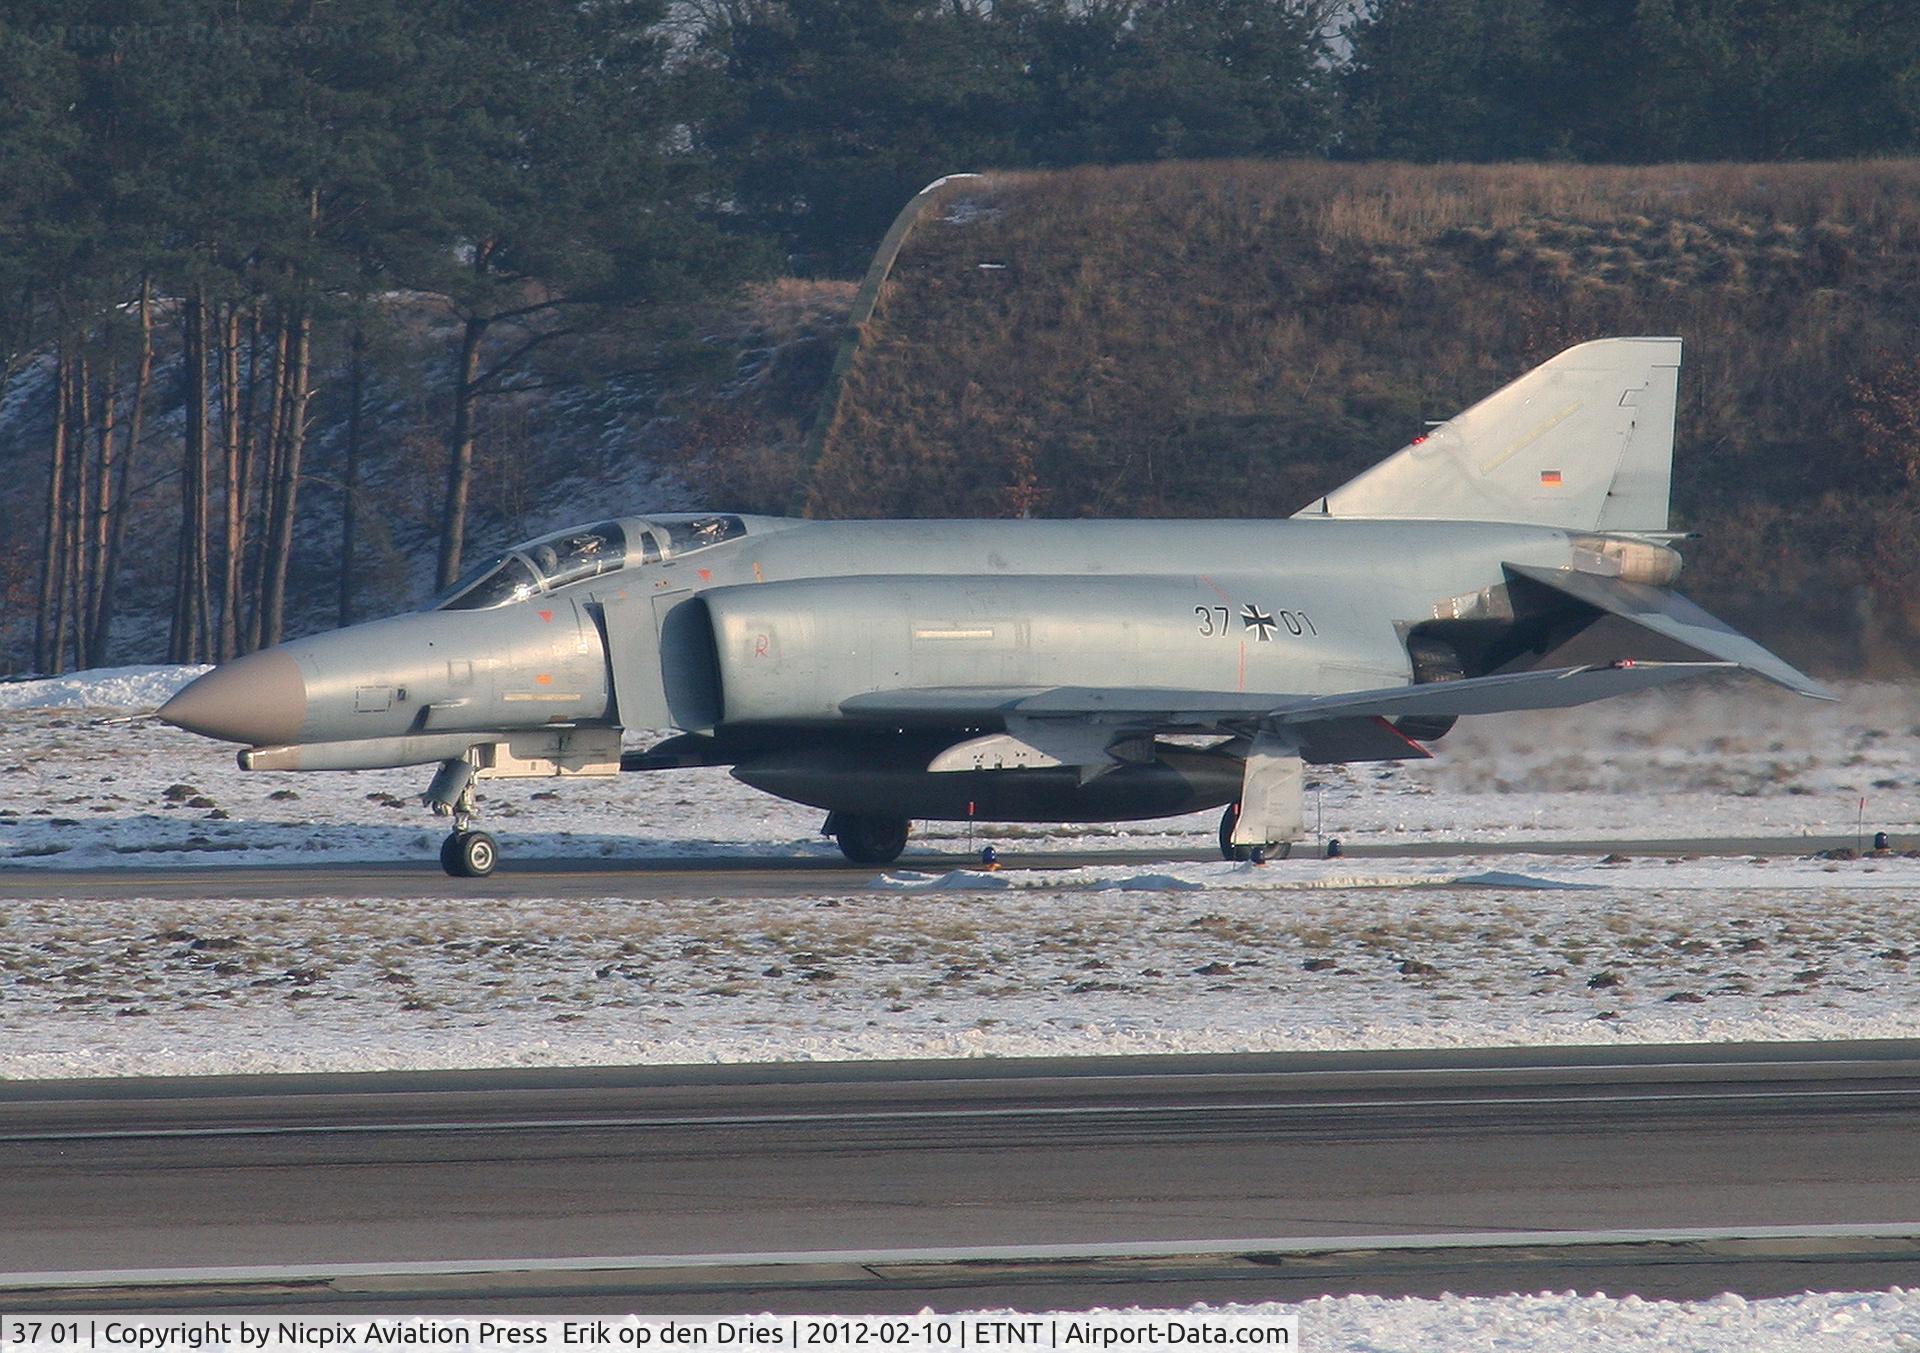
1216, 622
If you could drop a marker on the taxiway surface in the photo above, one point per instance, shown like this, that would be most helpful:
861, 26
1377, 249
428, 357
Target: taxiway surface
757, 876
1666, 1171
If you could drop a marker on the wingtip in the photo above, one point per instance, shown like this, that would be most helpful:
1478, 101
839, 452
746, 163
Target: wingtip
1794, 680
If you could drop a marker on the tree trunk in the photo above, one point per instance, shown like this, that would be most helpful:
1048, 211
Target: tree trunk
122, 501
453, 520
350, 476
236, 502
202, 416
453, 516
47, 624
79, 519
189, 640
267, 475
100, 528
296, 388
280, 546
247, 598
73, 448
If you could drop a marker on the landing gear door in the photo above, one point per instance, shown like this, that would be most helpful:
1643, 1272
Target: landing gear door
1271, 808
633, 655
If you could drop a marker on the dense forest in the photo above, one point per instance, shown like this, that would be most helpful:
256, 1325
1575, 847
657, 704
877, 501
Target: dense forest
295, 291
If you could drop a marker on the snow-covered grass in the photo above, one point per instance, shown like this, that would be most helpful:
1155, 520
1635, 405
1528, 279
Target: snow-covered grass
1305, 953
133, 689
84, 781
1213, 958
81, 785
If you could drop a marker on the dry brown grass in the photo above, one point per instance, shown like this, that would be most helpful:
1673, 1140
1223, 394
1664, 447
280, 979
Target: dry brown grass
789, 308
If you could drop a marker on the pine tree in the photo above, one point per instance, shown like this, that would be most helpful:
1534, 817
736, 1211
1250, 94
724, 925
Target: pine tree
552, 150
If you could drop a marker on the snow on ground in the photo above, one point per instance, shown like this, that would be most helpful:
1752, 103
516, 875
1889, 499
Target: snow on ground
82, 784
105, 688
1241, 962
1305, 953
1832, 1322
85, 782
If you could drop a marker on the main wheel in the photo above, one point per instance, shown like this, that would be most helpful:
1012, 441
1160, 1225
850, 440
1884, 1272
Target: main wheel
870, 840
1228, 850
1275, 850
469, 855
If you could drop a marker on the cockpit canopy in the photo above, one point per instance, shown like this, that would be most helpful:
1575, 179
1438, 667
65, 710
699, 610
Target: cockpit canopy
582, 552
688, 531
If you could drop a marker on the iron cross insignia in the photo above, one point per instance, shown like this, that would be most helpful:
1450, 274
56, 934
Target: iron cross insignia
1256, 619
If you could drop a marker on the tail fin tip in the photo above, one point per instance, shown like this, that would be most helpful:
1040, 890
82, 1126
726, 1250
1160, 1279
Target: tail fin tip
1582, 441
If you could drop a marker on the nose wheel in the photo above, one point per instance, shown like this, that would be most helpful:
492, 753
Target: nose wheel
469, 854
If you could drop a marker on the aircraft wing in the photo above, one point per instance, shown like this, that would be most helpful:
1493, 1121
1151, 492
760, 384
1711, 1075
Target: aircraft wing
1673, 617
1556, 688
1352, 720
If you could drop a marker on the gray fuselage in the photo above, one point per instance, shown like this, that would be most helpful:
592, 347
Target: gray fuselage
755, 644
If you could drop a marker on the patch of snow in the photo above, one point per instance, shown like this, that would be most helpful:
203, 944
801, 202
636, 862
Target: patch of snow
1555, 873
136, 689
1197, 878
966, 211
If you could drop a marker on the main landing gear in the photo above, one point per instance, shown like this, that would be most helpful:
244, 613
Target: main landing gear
868, 838
1273, 850
466, 853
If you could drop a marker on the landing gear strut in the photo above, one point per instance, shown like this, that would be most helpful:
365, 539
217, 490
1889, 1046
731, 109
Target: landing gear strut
1273, 850
868, 839
466, 853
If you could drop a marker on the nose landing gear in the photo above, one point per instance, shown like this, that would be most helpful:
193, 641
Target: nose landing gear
466, 853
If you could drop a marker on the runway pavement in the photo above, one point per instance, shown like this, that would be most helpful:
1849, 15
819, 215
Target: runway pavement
752, 876
1666, 1171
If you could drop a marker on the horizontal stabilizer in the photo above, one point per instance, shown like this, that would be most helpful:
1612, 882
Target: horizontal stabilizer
1673, 617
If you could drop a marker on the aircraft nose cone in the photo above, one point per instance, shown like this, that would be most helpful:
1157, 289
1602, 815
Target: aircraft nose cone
258, 699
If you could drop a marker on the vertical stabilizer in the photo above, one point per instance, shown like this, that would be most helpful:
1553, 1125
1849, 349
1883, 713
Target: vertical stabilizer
1583, 441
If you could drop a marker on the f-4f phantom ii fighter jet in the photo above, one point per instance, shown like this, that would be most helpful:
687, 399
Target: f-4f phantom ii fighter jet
1035, 671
